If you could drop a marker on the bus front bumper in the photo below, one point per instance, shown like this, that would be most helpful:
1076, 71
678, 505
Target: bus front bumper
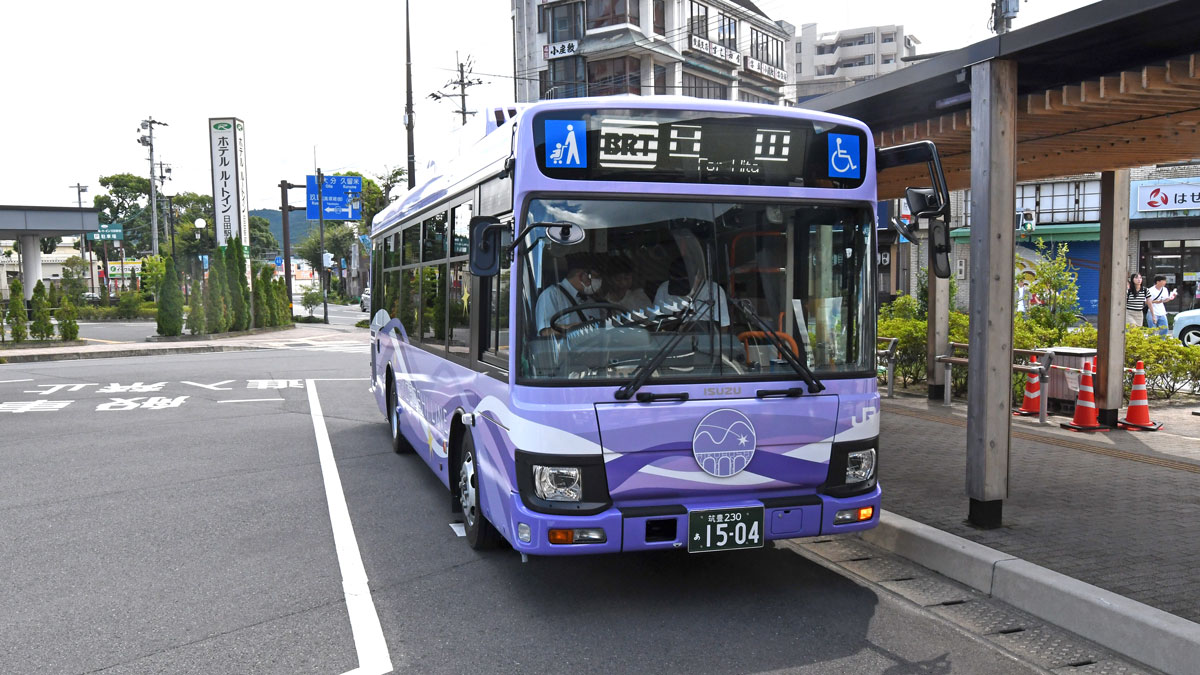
666, 527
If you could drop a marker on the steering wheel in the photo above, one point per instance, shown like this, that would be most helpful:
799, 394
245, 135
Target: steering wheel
611, 306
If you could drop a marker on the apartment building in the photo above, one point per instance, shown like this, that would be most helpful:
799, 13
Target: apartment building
825, 62
719, 49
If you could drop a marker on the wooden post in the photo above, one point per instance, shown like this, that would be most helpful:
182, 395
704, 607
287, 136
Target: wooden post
989, 393
1110, 343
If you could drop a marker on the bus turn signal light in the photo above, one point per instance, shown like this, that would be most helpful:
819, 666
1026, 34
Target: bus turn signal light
582, 535
562, 536
866, 512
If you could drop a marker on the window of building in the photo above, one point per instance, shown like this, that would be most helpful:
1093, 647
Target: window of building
826, 49
660, 80
622, 75
869, 38
564, 78
1176, 260
700, 87
887, 37
660, 16
698, 19
799, 47
888, 59
766, 48
727, 31
566, 22
601, 13
753, 98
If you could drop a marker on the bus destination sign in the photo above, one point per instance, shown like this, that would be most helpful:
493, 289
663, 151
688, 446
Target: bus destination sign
677, 146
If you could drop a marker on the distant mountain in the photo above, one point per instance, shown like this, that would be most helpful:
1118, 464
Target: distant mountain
297, 224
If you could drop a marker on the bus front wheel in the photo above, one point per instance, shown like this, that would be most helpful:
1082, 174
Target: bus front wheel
480, 533
399, 444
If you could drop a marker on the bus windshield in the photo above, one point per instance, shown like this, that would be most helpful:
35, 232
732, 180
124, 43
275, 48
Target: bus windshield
720, 287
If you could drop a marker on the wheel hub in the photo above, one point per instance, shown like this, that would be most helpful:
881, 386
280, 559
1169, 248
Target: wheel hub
466, 489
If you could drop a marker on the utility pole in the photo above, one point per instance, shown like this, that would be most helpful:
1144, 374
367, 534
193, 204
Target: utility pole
79, 190
321, 224
408, 106
464, 69
1003, 12
171, 222
149, 123
286, 209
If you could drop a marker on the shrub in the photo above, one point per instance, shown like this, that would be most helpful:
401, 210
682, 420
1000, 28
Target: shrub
196, 320
41, 328
68, 327
17, 315
214, 301
283, 304
128, 304
170, 302
91, 313
311, 298
239, 289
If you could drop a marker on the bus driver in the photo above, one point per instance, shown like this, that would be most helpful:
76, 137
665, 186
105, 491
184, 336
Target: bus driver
579, 286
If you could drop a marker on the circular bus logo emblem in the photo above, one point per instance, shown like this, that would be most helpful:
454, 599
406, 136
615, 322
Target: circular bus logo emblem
724, 442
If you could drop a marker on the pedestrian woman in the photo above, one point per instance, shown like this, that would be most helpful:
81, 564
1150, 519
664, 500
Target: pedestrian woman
1135, 301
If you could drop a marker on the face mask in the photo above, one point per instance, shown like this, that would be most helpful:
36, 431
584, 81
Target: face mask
592, 288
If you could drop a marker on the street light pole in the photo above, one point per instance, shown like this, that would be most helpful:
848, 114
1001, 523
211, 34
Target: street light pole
79, 190
321, 223
149, 124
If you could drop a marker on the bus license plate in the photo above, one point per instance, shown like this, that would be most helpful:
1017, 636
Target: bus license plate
725, 529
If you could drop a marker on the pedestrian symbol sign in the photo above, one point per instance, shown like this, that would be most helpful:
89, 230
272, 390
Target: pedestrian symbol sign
844, 156
566, 144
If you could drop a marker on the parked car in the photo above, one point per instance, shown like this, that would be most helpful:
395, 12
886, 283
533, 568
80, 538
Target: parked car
1187, 327
364, 303
91, 298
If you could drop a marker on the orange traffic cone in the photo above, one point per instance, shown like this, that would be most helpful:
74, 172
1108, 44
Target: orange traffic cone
1086, 418
1137, 417
1033, 394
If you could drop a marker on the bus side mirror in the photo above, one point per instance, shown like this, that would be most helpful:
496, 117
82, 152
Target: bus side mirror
485, 245
939, 239
922, 202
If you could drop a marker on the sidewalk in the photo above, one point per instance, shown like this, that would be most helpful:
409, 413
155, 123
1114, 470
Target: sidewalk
1118, 510
300, 336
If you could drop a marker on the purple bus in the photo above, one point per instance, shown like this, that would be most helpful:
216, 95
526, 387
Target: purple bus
623, 324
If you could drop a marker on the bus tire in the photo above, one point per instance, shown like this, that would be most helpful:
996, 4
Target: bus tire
480, 533
400, 445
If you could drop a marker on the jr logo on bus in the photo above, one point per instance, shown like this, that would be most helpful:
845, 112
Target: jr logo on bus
566, 144
723, 443
843, 156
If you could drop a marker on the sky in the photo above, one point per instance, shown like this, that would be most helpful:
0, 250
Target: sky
316, 83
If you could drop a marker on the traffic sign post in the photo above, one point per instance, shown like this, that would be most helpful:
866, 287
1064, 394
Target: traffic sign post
108, 232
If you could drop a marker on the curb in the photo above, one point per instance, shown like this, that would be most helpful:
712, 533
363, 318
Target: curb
112, 354
1130, 628
218, 336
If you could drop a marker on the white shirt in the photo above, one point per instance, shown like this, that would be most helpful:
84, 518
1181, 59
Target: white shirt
633, 299
706, 295
1158, 308
555, 299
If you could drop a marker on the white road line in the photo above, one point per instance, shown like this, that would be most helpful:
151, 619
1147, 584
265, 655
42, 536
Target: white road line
342, 379
249, 400
28, 379
373, 657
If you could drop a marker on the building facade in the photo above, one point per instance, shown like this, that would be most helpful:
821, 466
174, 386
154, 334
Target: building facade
719, 49
826, 62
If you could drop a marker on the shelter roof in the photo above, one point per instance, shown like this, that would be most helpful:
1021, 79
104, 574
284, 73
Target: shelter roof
1111, 85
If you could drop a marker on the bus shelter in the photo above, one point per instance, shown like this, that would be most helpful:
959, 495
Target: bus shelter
29, 224
1107, 87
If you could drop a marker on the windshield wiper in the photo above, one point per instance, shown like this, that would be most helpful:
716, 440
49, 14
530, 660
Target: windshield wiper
806, 373
644, 369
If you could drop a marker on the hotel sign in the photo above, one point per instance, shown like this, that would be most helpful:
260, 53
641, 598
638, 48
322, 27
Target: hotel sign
756, 66
699, 44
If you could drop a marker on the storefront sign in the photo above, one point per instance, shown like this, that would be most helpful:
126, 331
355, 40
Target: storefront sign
560, 49
1170, 197
699, 44
756, 66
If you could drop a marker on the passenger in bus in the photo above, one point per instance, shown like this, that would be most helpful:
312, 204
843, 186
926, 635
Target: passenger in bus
618, 286
711, 296
580, 286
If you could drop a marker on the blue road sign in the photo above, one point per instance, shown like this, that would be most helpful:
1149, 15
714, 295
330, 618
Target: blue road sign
205, 261
340, 197
279, 261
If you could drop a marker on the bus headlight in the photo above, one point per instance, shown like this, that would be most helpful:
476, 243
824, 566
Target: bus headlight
860, 465
558, 483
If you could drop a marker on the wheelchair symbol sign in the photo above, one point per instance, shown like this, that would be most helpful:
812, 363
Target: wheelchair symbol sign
566, 144
844, 156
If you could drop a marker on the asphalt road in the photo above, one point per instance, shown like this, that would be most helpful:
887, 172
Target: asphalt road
109, 332
190, 526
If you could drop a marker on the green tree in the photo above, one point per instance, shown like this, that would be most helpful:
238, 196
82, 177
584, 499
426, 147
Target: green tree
55, 295
17, 315
170, 301
128, 304
311, 298
73, 272
339, 237
196, 321
104, 295
126, 203
217, 272
283, 304
68, 326
214, 302
239, 287
154, 269
262, 241
41, 328
1055, 285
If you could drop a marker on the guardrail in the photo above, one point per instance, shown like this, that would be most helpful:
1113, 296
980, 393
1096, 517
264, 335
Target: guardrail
1041, 369
888, 354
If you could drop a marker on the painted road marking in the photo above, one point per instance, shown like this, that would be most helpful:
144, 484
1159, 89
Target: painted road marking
107, 342
249, 400
373, 657
28, 379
